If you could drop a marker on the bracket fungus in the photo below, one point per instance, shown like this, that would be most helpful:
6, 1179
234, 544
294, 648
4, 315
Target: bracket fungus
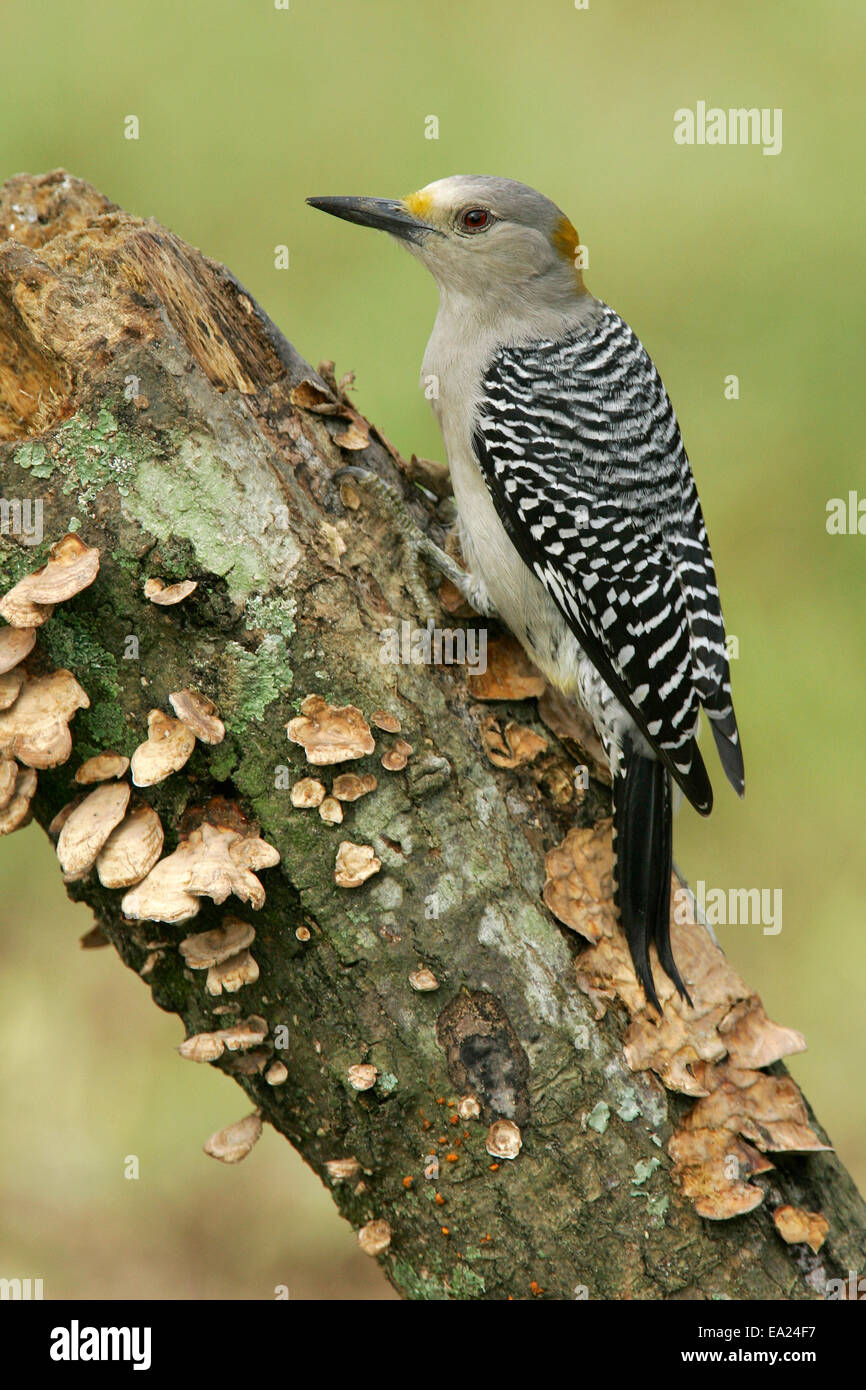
209, 1047
362, 1076
233, 1143
16, 812
232, 974
745, 1114
510, 675
35, 729
167, 594
518, 746
10, 687
89, 825
342, 1169
211, 862
8, 778
349, 786
504, 1139
71, 567
102, 768
277, 1074
167, 748
202, 1047
797, 1226
331, 811
375, 1237
199, 714
132, 849
579, 884
355, 864
397, 756
468, 1108
330, 733
423, 980
388, 723
209, 948
15, 644
307, 793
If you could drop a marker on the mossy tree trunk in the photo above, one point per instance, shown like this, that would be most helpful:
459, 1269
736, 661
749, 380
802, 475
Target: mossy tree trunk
145, 400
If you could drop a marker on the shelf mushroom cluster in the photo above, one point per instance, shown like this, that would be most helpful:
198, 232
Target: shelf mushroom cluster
109, 829
332, 734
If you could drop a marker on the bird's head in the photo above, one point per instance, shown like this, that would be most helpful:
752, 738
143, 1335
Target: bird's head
480, 237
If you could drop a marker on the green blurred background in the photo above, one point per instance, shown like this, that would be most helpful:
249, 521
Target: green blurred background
724, 261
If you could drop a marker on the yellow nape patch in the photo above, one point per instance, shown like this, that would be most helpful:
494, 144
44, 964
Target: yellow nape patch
419, 204
567, 243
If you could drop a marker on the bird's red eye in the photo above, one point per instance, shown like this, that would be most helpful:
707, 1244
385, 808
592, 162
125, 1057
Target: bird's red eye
475, 219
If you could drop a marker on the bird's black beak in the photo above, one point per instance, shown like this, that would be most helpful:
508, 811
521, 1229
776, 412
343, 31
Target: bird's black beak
385, 214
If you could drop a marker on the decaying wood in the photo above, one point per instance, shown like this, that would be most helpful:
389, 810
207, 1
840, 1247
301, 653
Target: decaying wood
413, 1005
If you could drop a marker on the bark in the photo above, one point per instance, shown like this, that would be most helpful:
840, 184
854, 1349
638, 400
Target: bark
146, 398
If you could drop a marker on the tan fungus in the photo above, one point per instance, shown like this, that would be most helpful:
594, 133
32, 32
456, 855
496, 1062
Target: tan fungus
342, 1169
10, 686
349, 787
168, 747
799, 1227
88, 827
16, 812
15, 644
72, 566
397, 756
520, 744
389, 723
362, 1076
232, 1144
504, 1139
307, 793
232, 974
510, 674
331, 811
167, 594
423, 980
132, 849
101, 768
8, 777
375, 1238
34, 730
355, 864
329, 733
199, 714
209, 948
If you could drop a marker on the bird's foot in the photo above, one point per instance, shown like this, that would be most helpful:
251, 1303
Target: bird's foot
419, 546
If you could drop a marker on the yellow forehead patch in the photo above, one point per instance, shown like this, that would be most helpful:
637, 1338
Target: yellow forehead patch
419, 204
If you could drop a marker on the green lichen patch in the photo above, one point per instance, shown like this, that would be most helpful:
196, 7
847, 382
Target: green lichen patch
599, 1117
251, 680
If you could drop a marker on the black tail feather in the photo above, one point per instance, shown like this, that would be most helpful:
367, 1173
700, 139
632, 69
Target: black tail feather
643, 829
729, 748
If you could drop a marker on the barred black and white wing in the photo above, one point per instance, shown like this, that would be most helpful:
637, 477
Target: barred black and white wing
580, 449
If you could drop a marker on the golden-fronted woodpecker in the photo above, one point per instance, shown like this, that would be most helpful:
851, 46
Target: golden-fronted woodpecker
577, 511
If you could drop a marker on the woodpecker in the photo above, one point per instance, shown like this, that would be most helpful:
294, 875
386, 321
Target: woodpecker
577, 511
